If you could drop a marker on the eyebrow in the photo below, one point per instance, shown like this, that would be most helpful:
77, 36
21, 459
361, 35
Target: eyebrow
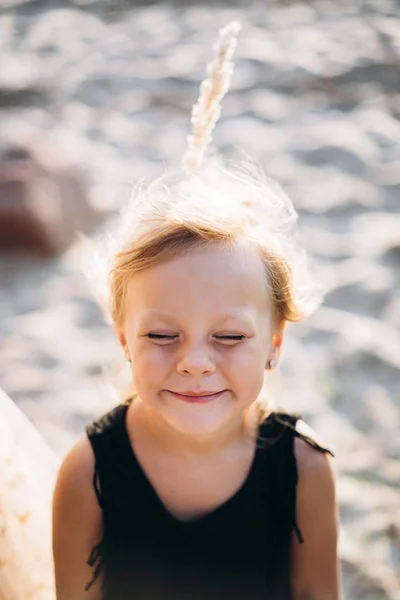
235, 315
242, 315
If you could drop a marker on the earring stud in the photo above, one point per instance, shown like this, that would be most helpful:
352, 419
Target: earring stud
272, 363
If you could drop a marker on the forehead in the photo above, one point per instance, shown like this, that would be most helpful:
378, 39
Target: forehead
229, 282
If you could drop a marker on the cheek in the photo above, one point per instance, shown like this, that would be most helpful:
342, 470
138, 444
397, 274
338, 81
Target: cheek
246, 375
149, 359
246, 367
250, 357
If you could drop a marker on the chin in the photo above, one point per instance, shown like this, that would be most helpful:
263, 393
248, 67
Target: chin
197, 420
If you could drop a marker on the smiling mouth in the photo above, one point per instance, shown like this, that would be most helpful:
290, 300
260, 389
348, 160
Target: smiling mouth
197, 397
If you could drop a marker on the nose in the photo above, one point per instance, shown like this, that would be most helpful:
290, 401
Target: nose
195, 362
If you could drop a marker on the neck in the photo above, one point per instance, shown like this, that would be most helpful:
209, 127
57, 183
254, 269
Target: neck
240, 429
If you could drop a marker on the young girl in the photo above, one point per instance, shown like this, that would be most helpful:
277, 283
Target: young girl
194, 488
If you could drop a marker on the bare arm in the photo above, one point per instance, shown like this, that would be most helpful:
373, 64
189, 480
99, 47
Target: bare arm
315, 563
77, 524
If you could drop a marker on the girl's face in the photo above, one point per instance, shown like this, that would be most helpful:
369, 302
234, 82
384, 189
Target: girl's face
199, 324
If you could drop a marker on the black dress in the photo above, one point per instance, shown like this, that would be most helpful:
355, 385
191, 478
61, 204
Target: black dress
239, 551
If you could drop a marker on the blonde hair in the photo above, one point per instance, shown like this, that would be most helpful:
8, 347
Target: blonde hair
209, 201
223, 203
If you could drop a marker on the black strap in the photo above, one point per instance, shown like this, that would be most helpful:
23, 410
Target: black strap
96, 556
95, 433
298, 532
289, 421
312, 443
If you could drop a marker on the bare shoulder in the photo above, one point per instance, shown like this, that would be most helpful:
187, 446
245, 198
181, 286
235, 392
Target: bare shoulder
77, 522
311, 462
79, 460
75, 477
315, 565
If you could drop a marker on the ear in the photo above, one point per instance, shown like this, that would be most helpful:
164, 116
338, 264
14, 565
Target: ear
122, 340
277, 340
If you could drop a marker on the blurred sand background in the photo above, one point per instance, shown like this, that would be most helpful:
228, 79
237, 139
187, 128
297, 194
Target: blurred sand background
315, 97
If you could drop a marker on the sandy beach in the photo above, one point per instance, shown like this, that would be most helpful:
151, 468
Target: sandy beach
107, 87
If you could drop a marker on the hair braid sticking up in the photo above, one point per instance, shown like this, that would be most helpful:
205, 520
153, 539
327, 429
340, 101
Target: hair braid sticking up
206, 112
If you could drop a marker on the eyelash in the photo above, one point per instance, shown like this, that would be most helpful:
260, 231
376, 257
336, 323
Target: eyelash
160, 336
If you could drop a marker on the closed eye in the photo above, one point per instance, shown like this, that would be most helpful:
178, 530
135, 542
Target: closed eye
225, 339
161, 336
230, 338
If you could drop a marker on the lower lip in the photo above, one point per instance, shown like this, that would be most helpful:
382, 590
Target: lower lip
197, 399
